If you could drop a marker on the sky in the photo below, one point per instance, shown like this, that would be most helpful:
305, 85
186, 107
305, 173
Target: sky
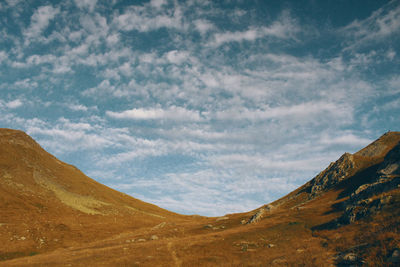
200, 107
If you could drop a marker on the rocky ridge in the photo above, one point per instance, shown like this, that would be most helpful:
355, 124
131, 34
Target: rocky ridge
336, 172
366, 198
382, 149
370, 198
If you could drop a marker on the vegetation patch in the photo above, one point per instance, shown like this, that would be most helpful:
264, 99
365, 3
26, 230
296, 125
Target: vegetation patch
85, 204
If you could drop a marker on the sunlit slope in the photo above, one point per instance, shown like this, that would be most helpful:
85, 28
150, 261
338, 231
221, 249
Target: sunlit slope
53, 215
45, 203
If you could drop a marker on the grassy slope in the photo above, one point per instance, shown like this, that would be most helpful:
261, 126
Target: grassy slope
286, 236
46, 204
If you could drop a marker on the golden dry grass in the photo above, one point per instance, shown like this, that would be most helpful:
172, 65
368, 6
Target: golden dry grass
51, 214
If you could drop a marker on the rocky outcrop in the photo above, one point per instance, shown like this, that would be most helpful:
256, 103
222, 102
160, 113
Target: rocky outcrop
336, 172
365, 207
372, 197
395, 257
387, 147
348, 259
391, 165
257, 216
260, 214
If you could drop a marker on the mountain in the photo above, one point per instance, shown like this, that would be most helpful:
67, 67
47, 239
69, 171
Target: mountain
47, 204
51, 214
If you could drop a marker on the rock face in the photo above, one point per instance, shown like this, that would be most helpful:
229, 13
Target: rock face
334, 174
260, 213
387, 147
257, 216
348, 259
395, 257
365, 176
391, 164
372, 197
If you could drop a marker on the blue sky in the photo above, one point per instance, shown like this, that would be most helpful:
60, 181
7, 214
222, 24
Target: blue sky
206, 107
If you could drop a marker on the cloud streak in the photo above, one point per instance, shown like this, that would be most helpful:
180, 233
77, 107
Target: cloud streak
381, 24
284, 28
171, 113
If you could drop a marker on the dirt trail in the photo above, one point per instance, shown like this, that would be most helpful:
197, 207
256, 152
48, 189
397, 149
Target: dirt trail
177, 261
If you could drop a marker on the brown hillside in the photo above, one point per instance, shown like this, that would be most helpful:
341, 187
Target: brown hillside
45, 203
51, 214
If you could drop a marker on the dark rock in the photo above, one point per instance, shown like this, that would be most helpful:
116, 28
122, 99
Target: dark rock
257, 216
395, 257
348, 259
368, 198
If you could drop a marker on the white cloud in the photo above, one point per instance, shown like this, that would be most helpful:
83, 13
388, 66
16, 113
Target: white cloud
113, 39
381, 24
203, 26
25, 84
96, 25
264, 163
203, 132
80, 50
79, 126
157, 3
131, 155
394, 85
60, 64
13, 3
40, 59
60, 69
171, 113
145, 18
104, 87
75, 36
177, 57
391, 105
89, 4
283, 28
348, 139
77, 107
111, 73
66, 136
3, 57
35, 60
226, 37
391, 54
14, 104
126, 69
308, 111
40, 21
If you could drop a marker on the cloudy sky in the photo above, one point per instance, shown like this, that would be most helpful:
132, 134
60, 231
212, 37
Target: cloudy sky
206, 107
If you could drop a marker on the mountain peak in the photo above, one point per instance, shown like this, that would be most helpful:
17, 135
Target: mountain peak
350, 164
18, 138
